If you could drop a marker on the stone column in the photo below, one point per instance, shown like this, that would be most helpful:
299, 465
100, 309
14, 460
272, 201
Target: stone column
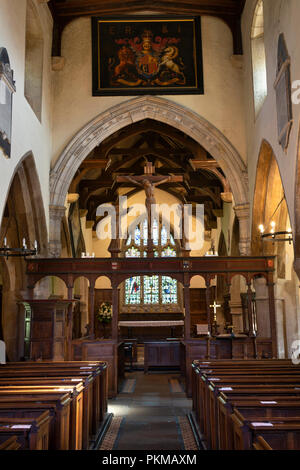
272, 317
242, 212
56, 214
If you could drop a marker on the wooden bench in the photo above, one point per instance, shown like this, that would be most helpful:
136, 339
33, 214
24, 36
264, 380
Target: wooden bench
10, 444
95, 387
57, 404
75, 392
280, 433
222, 388
32, 433
252, 408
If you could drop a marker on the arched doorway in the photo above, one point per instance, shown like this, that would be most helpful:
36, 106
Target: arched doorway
270, 212
23, 218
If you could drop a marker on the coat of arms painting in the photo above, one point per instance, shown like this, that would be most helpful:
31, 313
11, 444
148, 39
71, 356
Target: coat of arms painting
147, 56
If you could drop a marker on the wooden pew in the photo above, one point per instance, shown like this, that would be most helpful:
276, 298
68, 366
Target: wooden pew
57, 404
279, 433
250, 380
61, 382
252, 408
76, 408
10, 444
32, 433
97, 368
260, 444
95, 372
228, 387
95, 387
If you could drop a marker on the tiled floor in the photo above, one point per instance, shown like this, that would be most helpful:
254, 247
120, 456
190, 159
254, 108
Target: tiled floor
151, 413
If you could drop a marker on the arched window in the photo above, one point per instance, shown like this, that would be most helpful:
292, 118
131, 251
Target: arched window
34, 57
282, 87
259, 57
151, 293
7, 88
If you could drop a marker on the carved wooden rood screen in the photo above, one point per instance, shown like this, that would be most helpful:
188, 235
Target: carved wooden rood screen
252, 345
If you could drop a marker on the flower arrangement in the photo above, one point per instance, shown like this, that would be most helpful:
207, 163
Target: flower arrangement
104, 314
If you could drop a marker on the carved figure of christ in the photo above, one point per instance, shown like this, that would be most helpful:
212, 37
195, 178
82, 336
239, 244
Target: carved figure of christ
148, 182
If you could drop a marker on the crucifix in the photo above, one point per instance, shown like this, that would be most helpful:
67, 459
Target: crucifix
215, 306
215, 325
148, 181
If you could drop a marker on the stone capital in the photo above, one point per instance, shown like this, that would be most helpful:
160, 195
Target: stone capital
242, 211
56, 214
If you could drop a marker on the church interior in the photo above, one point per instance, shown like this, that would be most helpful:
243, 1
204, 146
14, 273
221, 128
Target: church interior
128, 328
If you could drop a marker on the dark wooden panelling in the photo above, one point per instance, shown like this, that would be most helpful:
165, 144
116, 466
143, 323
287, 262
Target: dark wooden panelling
198, 305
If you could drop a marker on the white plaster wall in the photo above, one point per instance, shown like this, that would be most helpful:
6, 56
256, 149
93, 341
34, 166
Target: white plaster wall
280, 16
28, 133
222, 103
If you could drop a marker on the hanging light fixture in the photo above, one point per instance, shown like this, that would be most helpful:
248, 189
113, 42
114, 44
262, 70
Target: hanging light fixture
273, 235
7, 251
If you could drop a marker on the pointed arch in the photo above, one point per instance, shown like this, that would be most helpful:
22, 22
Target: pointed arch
129, 112
23, 217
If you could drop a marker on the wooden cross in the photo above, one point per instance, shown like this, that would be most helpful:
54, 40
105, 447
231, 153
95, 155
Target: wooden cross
215, 306
148, 181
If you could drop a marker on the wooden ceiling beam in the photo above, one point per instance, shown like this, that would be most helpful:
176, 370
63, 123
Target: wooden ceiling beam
64, 11
96, 163
93, 7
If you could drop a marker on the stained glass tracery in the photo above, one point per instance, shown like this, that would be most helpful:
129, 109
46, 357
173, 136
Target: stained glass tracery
151, 290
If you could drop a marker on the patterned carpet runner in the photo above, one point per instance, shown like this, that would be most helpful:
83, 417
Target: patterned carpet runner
111, 437
111, 434
187, 434
129, 386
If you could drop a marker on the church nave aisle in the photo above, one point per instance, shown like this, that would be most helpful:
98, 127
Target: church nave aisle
152, 416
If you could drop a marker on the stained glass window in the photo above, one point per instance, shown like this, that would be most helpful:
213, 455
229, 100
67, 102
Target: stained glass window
169, 290
133, 290
133, 252
151, 290
168, 252
137, 236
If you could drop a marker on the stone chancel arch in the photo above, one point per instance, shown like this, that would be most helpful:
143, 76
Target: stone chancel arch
132, 111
